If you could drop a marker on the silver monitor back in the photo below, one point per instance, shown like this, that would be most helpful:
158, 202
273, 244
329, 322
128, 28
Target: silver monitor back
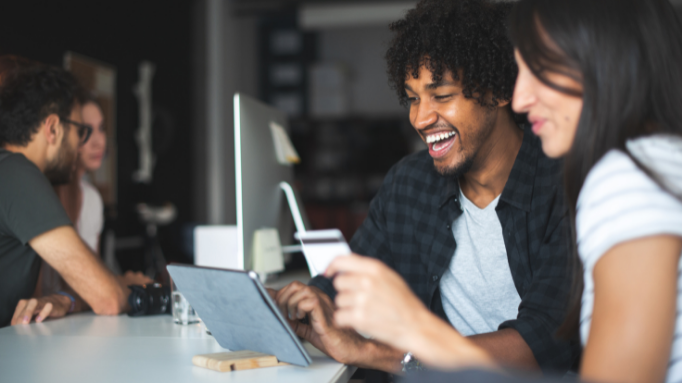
260, 201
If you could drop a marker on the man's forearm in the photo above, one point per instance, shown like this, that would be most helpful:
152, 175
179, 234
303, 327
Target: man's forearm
507, 348
80, 304
64, 250
378, 356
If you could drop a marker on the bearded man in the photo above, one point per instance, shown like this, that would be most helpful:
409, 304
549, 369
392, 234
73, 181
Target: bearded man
40, 131
476, 224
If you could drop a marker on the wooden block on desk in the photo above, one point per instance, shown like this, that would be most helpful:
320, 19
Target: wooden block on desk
235, 361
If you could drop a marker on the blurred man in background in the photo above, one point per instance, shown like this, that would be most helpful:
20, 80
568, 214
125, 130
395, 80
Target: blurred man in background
40, 132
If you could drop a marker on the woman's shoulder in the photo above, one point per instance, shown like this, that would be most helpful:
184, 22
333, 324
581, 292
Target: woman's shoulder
616, 172
662, 154
619, 201
656, 146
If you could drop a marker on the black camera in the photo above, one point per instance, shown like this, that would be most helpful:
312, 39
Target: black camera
152, 299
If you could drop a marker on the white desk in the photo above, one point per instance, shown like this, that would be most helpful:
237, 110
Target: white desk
88, 348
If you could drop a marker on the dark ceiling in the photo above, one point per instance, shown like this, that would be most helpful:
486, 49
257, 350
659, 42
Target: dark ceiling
260, 6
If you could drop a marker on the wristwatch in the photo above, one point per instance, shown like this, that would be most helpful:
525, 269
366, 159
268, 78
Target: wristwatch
71, 298
410, 363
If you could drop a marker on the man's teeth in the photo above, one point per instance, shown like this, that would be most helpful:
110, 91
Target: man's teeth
438, 137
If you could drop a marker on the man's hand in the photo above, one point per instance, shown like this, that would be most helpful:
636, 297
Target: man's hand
298, 301
134, 278
51, 306
272, 293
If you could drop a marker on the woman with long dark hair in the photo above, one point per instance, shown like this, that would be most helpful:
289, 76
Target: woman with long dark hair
601, 82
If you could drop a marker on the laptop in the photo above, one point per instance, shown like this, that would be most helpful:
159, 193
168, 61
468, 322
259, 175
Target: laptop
239, 312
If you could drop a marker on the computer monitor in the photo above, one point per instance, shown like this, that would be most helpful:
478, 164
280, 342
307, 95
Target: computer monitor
265, 198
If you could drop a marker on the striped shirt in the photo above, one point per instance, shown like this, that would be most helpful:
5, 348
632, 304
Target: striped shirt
618, 203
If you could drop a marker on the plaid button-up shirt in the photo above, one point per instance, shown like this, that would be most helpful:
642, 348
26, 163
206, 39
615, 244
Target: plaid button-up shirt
409, 228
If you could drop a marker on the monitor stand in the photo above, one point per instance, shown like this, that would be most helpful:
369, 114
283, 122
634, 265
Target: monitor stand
271, 243
295, 213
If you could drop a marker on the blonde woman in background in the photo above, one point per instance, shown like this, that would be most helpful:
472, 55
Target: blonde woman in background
82, 201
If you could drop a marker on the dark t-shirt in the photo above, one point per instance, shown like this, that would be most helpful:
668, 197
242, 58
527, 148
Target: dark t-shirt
28, 207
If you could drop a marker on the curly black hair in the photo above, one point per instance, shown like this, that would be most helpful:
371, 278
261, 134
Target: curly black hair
454, 35
28, 94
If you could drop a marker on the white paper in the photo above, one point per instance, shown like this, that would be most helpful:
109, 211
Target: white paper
284, 149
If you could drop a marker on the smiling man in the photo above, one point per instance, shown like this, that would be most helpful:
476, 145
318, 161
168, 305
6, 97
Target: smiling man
475, 224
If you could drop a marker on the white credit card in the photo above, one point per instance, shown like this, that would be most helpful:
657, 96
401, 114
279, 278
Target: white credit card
320, 247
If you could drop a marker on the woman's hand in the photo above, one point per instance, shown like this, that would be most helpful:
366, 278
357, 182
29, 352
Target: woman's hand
375, 301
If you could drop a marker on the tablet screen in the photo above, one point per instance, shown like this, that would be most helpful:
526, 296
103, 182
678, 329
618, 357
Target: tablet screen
239, 312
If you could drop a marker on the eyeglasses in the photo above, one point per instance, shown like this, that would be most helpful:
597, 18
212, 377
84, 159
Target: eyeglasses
84, 130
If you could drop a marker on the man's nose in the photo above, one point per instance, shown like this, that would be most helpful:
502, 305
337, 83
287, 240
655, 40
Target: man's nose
424, 116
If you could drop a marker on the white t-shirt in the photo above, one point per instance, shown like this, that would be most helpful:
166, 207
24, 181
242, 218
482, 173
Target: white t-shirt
477, 290
618, 203
91, 219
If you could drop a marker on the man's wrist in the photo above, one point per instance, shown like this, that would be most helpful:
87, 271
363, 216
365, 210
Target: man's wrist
378, 356
67, 300
363, 351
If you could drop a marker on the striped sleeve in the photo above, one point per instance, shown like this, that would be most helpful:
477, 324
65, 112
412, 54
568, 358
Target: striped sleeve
619, 202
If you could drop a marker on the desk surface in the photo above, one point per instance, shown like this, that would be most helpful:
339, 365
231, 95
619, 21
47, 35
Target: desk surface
88, 348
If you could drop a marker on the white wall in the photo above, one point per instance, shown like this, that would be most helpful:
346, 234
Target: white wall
226, 63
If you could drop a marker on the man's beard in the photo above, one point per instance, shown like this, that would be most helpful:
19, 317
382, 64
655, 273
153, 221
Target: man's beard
469, 156
458, 170
59, 170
